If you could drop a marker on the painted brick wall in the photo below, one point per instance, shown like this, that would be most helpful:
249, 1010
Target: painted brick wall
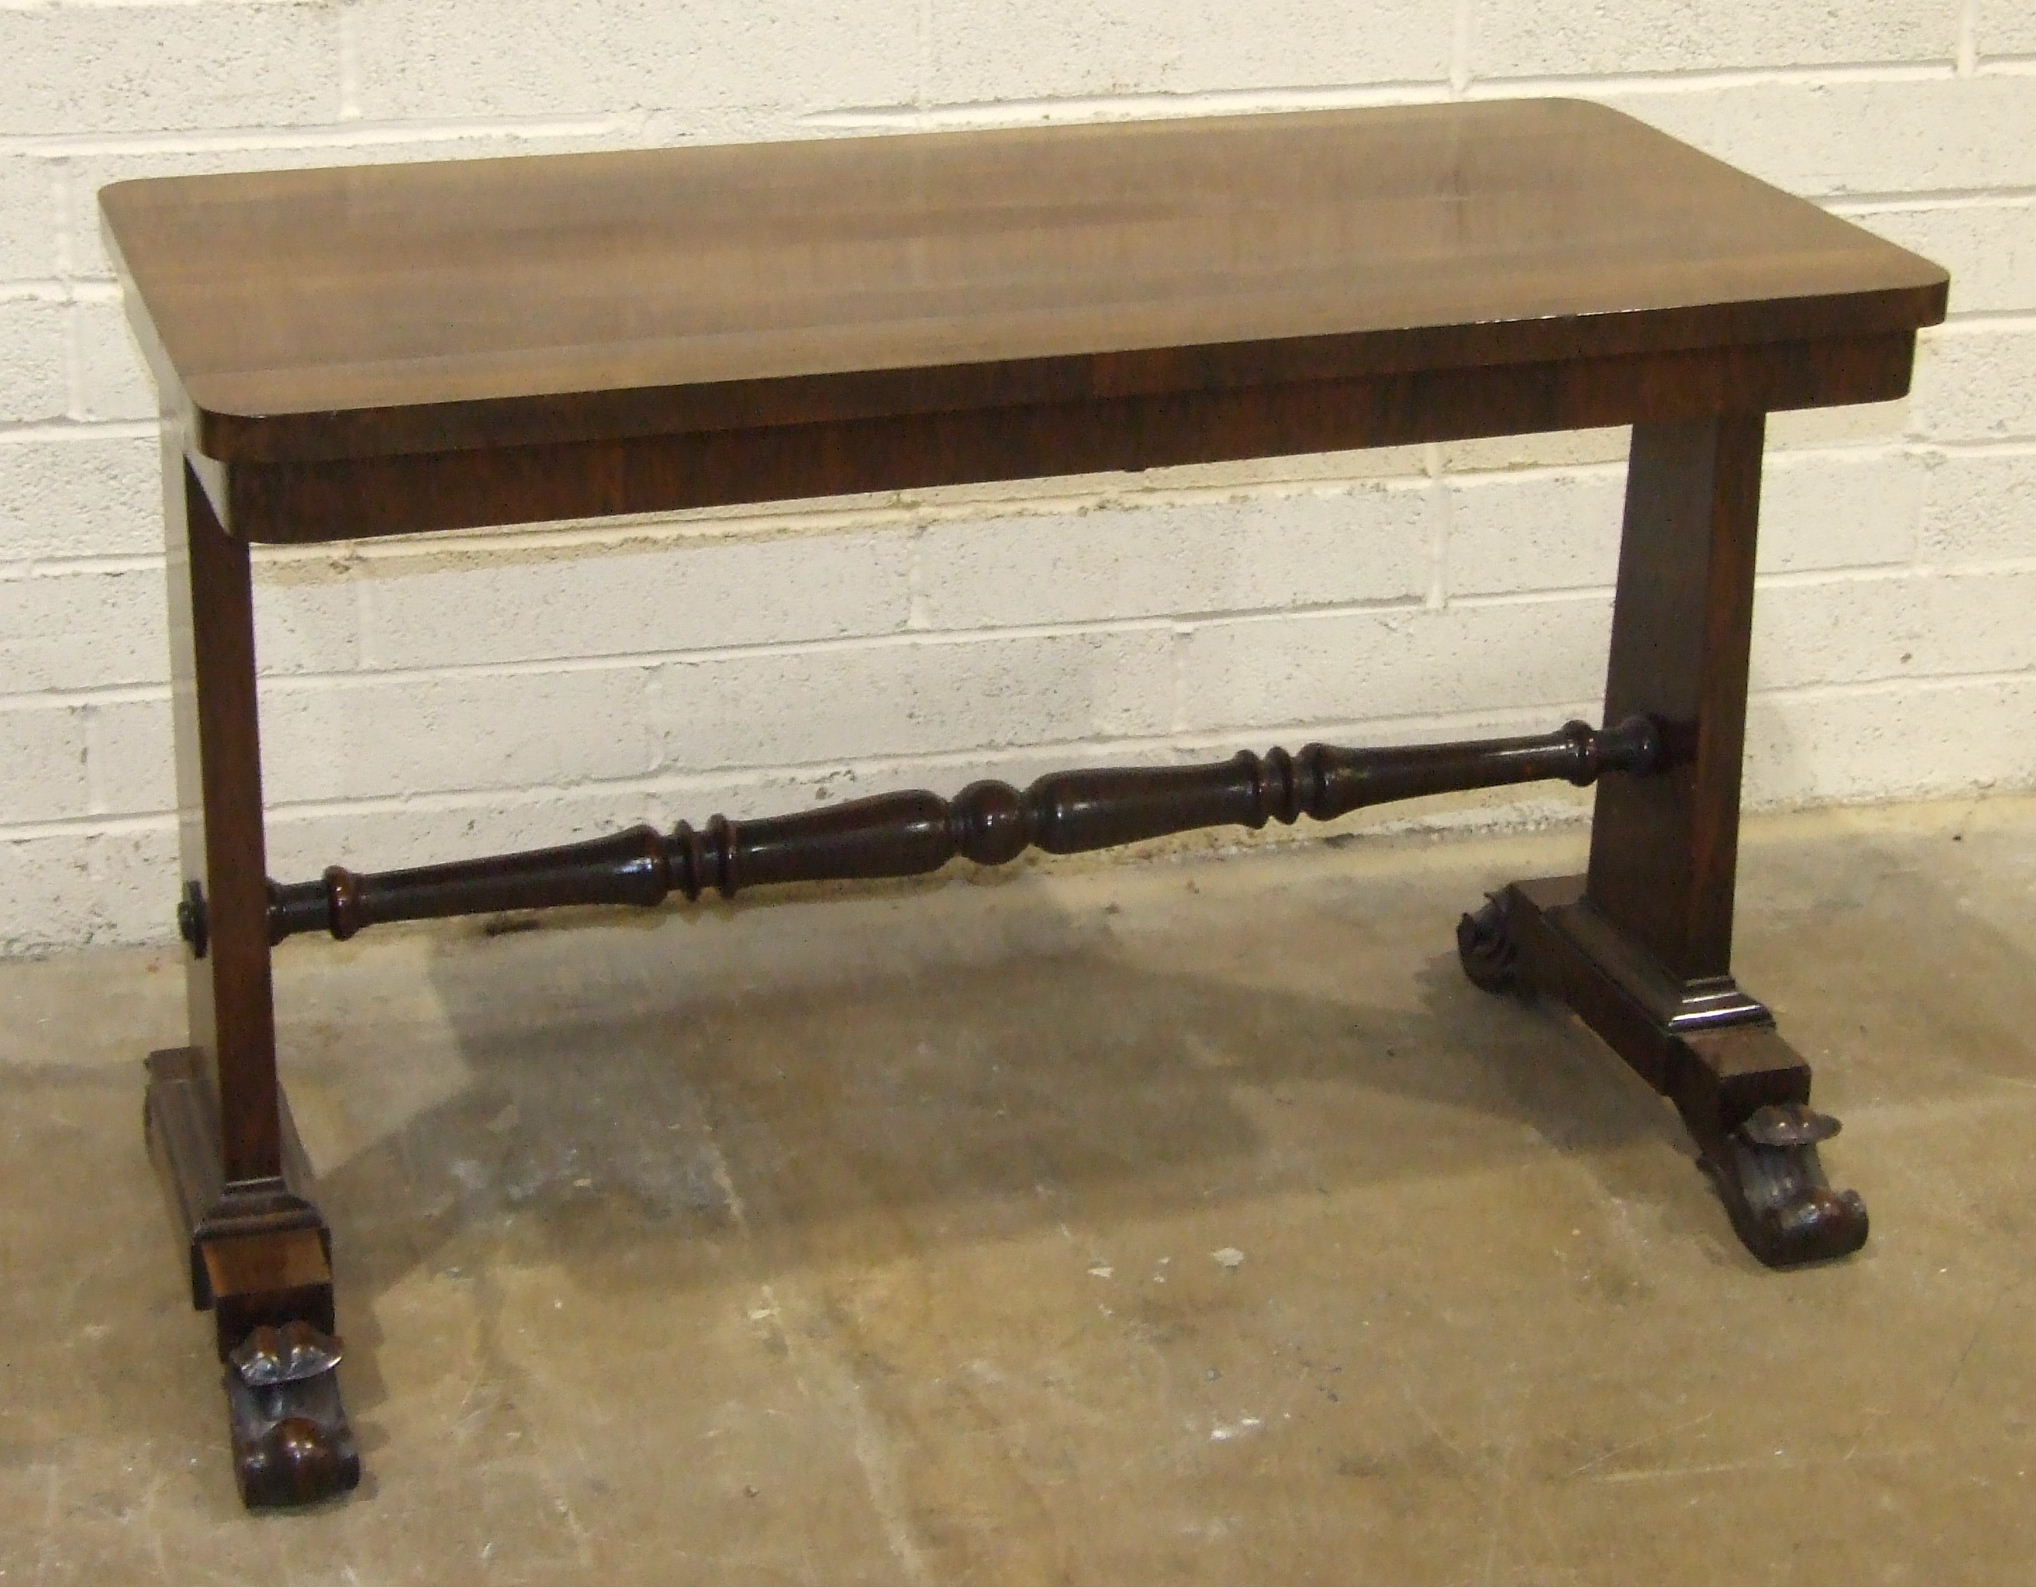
761, 660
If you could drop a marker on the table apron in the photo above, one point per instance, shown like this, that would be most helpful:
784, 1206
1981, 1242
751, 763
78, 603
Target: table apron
354, 498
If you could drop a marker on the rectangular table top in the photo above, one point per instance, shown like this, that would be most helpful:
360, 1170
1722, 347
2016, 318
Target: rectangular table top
407, 308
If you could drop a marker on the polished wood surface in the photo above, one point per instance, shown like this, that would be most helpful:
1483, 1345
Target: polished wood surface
221, 840
426, 308
403, 493
261, 1262
1664, 851
991, 823
1641, 950
408, 348
1742, 1091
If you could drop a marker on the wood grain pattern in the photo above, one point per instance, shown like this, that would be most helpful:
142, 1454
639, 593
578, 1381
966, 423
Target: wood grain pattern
343, 313
1665, 850
407, 492
407, 348
221, 840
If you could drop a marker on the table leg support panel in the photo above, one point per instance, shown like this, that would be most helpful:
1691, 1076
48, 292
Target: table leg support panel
260, 1260
1742, 1091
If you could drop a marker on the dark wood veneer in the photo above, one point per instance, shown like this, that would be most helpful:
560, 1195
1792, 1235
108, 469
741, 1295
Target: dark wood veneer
299, 315
991, 823
392, 350
405, 492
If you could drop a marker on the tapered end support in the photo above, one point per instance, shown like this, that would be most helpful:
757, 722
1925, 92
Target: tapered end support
1742, 1091
291, 1441
1773, 1186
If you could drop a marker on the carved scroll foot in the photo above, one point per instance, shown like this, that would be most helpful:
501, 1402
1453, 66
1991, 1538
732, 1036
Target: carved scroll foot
291, 1441
1488, 949
1743, 1092
259, 1260
1773, 1186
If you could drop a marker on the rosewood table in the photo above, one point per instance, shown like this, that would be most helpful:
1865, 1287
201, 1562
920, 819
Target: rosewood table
346, 353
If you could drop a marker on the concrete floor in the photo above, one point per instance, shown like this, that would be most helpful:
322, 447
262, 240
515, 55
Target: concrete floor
1185, 1222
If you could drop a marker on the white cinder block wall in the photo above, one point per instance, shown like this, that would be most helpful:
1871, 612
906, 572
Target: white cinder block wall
434, 699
